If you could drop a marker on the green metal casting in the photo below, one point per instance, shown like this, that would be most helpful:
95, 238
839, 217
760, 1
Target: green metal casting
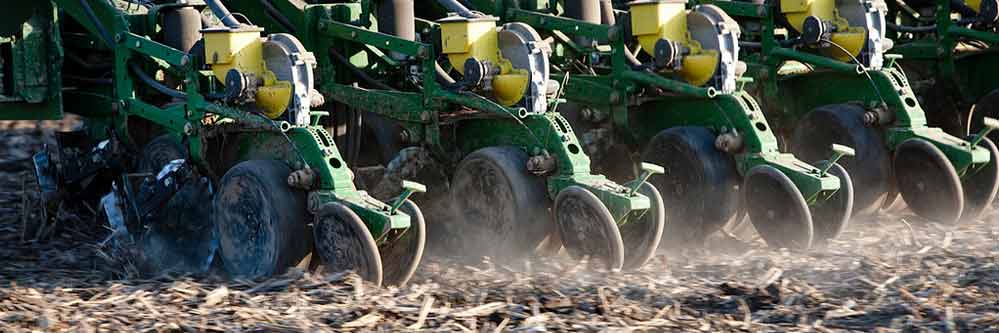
936, 51
424, 112
801, 91
39, 97
619, 91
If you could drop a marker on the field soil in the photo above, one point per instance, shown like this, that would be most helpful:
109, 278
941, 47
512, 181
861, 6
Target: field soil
892, 272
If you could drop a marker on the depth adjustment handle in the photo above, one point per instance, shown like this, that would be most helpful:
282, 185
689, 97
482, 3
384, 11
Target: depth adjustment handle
990, 125
408, 188
838, 152
648, 169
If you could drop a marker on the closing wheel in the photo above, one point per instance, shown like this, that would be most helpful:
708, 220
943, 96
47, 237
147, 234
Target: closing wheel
987, 106
403, 250
500, 210
180, 237
260, 220
777, 209
641, 237
344, 243
869, 169
980, 188
587, 228
831, 216
700, 185
927, 181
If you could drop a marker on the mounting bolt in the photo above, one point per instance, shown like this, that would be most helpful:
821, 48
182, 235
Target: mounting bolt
188, 129
615, 97
612, 34
304, 179
729, 142
587, 114
314, 202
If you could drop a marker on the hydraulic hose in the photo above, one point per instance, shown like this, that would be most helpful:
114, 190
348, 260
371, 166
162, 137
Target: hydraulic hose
101, 30
455, 6
908, 28
275, 14
152, 83
357, 71
222, 13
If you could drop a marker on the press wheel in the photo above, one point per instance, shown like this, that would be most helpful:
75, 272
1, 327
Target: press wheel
180, 236
500, 210
980, 187
777, 209
869, 169
260, 220
641, 236
700, 186
402, 252
987, 106
587, 228
927, 181
831, 216
344, 243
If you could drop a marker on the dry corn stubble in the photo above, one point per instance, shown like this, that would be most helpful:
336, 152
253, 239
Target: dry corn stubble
894, 272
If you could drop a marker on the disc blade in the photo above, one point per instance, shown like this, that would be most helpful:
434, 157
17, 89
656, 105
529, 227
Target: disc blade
344, 243
587, 228
831, 215
777, 209
928, 182
980, 185
641, 236
401, 254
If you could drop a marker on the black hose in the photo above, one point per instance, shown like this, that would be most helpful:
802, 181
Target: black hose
275, 14
962, 8
88, 80
455, 6
908, 28
357, 71
222, 13
101, 30
152, 83
86, 65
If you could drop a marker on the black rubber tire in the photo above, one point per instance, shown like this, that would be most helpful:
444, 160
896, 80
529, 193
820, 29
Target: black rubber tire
928, 182
262, 222
344, 243
870, 169
777, 209
642, 237
980, 188
587, 228
831, 217
499, 209
700, 187
159, 152
401, 255
179, 238
938, 100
